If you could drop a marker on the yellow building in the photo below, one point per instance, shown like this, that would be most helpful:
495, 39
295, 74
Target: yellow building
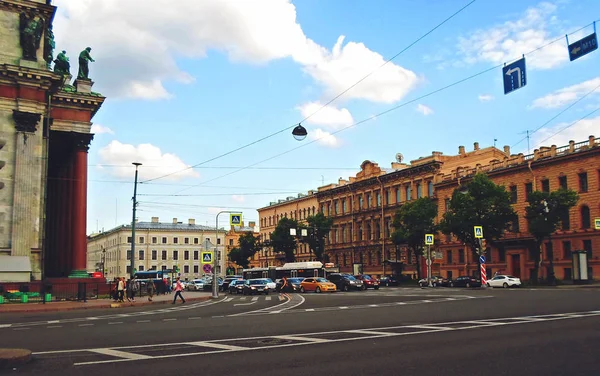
158, 246
297, 208
231, 241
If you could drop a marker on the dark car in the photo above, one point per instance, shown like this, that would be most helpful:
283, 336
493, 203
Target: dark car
368, 281
466, 281
255, 286
293, 284
227, 281
389, 280
345, 282
236, 286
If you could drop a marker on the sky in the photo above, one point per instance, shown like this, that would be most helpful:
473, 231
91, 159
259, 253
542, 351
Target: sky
205, 93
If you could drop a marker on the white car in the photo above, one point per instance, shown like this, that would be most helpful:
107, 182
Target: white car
196, 284
270, 284
505, 281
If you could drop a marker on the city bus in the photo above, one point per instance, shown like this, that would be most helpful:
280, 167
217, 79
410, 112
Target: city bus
292, 270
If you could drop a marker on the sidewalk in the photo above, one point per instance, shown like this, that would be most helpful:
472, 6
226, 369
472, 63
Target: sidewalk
190, 296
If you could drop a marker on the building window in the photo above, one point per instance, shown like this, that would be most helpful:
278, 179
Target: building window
398, 199
196, 255
142, 240
231, 242
583, 182
447, 204
164, 255
175, 240
419, 190
129, 254
128, 269
186, 255
377, 231
141, 268
369, 232
154, 254
344, 208
501, 254
337, 207
196, 269
175, 255
154, 240
360, 231
449, 257
140, 255
562, 182
514, 226
546, 185
513, 194
387, 197
164, 240
129, 239
163, 268
186, 240
461, 256
430, 189
566, 250
218, 241
196, 240
585, 217
186, 269
369, 200
408, 193
566, 222
378, 199
360, 201
528, 190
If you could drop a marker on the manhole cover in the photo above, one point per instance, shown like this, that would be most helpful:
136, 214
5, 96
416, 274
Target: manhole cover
274, 341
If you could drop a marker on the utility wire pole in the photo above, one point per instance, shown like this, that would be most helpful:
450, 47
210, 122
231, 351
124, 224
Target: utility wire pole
132, 259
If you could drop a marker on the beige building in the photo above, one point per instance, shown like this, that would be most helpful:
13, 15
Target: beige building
298, 208
159, 246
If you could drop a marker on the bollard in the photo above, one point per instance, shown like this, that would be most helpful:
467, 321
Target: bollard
48, 297
24, 298
1, 299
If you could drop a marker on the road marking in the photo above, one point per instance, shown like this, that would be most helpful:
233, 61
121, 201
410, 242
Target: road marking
21, 328
255, 298
85, 325
169, 319
373, 305
228, 345
228, 299
267, 298
53, 321
115, 323
5, 325
54, 326
309, 310
344, 307
91, 318
238, 304
281, 297
218, 317
194, 318
426, 301
263, 310
143, 321
243, 298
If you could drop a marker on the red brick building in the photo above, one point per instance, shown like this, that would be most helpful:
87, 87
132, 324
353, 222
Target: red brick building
575, 166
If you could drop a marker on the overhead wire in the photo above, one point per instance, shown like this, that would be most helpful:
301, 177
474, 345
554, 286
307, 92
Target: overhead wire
324, 105
570, 125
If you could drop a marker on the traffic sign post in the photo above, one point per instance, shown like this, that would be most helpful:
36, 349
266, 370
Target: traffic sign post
207, 268
597, 223
207, 257
428, 239
478, 231
583, 46
235, 219
514, 76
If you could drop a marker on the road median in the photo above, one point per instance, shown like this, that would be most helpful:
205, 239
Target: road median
10, 358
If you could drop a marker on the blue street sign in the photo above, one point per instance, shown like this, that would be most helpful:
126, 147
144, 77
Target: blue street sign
482, 259
583, 46
514, 76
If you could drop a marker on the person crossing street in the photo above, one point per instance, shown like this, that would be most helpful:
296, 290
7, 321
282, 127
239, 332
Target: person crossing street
178, 289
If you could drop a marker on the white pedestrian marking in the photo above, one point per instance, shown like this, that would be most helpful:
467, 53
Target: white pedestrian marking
255, 298
121, 354
194, 318
343, 307
54, 326
217, 345
243, 298
5, 325
369, 332
310, 310
429, 327
115, 323
85, 325
169, 319
143, 321
228, 299
53, 321
267, 298
299, 338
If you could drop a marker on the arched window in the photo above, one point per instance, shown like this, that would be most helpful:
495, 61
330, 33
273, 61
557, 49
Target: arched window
585, 217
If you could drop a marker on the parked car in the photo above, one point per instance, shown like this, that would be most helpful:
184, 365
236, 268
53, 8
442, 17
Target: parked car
317, 284
436, 281
196, 284
345, 282
293, 284
236, 286
255, 286
368, 281
466, 281
389, 280
228, 280
505, 281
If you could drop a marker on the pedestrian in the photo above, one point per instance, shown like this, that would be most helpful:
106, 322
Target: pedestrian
151, 288
133, 288
121, 289
284, 284
178, 289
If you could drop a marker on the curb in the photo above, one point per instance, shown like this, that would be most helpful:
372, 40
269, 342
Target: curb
14, 357
50, 308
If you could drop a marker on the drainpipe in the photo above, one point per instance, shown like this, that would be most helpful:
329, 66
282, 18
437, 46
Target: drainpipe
352, 223
533, 175
381, 225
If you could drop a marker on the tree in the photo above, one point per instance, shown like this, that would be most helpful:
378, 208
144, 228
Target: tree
318, 229
481, 203
282, 241
248, 245
411, 222
544, 214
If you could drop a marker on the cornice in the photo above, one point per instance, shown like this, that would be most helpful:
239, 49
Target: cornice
76, 100
18, 6
14, 74
26, 121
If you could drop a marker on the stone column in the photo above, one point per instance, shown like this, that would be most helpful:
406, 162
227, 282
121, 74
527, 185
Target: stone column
79, 202
26, 196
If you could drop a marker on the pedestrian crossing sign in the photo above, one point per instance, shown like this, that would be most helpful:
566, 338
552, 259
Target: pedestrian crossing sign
428, 239
597, 223
235, 219
207, 257
478, 232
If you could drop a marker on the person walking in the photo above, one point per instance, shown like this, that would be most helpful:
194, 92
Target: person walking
133, 288
151, 287
178, 289
121, 289
284, 285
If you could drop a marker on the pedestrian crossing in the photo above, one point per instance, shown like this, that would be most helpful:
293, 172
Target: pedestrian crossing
248, 299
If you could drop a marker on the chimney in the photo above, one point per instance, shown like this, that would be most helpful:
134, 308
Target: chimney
507, 149
592, 140
461, 150
251, 224
154, 219
191, 221
476, 145
174, 221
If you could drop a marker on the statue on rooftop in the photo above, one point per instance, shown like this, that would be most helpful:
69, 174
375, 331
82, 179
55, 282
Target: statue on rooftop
84, 59
49, 46
31, 29
62, 64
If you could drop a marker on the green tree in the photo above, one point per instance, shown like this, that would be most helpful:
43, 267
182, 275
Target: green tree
248, 245
318, 229
282, 241
544, 214
411, 222
481, 203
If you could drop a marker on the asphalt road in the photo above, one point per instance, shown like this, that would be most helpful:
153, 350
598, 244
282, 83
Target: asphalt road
393, 331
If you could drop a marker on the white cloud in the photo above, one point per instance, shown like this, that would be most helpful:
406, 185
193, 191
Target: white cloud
424, 109
214, 210
99, 129
154, 162
567, 95
328, 116
507, 41
137, 45
577, 132
238, 198
485, 97
324, 138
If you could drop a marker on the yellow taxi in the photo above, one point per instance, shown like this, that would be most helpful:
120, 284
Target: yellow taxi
316, 284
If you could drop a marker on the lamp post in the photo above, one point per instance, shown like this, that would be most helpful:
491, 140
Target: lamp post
132, 259
103, 262
215, 284
299, 132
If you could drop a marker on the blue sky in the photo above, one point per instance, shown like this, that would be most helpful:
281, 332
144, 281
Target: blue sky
187, 83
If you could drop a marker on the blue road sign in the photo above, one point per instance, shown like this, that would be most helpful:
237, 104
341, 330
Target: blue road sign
583, 46
514, 76
482, 259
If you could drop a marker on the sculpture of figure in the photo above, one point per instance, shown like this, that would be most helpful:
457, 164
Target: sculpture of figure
49, 46
61, 64
31, 34
84, 69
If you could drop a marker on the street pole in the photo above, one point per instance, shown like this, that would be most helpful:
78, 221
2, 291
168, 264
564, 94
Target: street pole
132, 260
429, 266
215, 284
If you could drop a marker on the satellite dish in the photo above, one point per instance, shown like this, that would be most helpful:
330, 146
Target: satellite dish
399, 157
